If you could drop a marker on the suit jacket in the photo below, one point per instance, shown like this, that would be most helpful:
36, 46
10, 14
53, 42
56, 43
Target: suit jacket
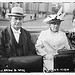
71, 39
7, 44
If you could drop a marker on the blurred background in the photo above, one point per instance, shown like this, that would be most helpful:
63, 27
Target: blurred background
37, 12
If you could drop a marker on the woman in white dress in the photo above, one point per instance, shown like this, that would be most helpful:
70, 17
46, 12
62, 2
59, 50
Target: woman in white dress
50, 41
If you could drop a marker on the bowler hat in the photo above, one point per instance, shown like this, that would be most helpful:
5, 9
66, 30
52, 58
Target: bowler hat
17, 11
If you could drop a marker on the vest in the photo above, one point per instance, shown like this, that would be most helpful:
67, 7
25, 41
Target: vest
18, 46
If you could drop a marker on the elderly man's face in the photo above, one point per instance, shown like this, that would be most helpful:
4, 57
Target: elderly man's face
54, 27
16, 22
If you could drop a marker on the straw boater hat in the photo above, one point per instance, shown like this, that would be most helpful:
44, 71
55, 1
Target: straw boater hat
55, 18
17, 11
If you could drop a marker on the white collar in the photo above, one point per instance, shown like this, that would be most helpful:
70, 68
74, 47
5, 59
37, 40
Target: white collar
15, 31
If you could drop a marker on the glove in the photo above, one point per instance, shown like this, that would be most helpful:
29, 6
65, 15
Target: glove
49, 56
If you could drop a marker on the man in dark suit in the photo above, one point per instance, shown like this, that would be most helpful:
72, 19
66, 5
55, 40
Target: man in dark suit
15, 41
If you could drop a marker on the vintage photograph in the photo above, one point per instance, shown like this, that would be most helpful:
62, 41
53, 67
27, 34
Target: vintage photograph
37, 37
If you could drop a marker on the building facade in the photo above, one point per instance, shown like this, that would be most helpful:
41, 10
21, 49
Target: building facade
39, 7
29, 7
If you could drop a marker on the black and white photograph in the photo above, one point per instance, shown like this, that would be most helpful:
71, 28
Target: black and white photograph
37, 37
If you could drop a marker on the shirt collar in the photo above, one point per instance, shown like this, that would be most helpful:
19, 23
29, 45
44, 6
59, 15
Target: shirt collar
15, 31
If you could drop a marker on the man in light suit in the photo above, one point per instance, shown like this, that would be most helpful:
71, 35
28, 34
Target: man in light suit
50, 41
15, 41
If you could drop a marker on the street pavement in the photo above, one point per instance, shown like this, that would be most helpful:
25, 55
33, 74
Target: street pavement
38, 25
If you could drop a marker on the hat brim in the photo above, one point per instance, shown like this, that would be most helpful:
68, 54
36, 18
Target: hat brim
10, 14
54, 21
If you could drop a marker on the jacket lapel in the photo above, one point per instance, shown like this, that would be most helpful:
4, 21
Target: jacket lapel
11, 38
24, 41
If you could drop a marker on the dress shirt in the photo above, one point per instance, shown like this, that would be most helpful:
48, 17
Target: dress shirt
16, 34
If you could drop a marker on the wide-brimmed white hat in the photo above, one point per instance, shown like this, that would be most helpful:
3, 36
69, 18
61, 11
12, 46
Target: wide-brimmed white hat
55, 17
17, 11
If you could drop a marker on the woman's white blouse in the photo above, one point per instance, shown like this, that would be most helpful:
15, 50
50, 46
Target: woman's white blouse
49, 42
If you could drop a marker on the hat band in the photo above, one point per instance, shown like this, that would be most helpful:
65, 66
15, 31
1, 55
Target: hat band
18, 13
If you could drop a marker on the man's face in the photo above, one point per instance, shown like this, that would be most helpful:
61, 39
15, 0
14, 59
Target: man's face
16, 22
54, 26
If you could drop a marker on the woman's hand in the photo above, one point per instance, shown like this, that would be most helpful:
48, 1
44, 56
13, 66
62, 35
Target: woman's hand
49, 56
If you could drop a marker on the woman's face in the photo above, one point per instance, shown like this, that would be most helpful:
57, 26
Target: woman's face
54, 26
73, 23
